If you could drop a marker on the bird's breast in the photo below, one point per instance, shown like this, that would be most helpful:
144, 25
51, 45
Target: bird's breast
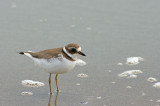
55, 65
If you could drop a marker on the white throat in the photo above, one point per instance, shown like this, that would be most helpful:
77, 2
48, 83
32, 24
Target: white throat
74, 56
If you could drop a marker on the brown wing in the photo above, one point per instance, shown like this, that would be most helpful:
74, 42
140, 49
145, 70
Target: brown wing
47, 54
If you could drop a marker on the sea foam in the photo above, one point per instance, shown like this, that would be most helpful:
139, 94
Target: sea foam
157, 85
30, 83
130, 73
134, 60
151, 79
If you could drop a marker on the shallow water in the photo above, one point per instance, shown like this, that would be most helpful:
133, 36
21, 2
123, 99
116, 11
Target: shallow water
109, 32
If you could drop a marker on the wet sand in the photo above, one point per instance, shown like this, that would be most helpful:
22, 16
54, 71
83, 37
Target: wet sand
109, 33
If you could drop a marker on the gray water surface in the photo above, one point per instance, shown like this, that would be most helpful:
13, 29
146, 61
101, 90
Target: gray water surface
109, 31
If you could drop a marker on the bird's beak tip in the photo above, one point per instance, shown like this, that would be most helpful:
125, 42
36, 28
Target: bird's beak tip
82, 54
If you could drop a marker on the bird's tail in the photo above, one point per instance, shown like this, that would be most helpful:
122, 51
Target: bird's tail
26, 53
21, 53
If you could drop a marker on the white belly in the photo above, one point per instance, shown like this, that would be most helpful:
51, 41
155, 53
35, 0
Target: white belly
55, 65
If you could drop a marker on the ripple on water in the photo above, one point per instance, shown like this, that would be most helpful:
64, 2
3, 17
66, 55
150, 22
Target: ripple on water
73, 26
84, 103
13, 5
82, 75
89, 28
43, 20
30, 83
151, 100
58, 91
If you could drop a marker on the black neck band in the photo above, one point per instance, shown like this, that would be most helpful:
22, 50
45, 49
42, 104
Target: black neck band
68, 55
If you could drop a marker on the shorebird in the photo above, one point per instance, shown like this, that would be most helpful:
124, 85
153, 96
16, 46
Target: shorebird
57, 60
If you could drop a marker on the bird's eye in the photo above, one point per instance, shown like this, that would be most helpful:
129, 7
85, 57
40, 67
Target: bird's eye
73, 50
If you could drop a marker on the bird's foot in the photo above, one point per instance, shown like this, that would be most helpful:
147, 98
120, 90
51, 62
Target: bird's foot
58, 90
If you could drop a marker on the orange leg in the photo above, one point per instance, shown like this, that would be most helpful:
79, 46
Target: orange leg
56, 82
50, 83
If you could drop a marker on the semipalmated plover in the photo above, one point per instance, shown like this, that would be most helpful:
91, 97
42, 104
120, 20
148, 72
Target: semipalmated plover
57, 60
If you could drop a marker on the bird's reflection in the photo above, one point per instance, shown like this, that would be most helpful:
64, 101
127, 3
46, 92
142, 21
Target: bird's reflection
55, 101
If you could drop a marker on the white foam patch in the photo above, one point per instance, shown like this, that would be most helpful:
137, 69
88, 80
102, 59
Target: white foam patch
119, 64
30, 83
129, 87
26, 93
82, 75
89, 28
134, 60
99, 97
151, 79
109, 71
113, 82
80, 62
143, 94
132, 76
157, 85
130, 73
78, 84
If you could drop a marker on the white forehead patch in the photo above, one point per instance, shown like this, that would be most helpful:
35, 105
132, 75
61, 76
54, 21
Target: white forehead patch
79, 49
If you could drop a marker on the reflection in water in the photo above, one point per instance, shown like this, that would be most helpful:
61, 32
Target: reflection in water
55, 101
49, 102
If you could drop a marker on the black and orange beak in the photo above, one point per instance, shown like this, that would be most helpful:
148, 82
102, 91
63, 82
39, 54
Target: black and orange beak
81, 53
